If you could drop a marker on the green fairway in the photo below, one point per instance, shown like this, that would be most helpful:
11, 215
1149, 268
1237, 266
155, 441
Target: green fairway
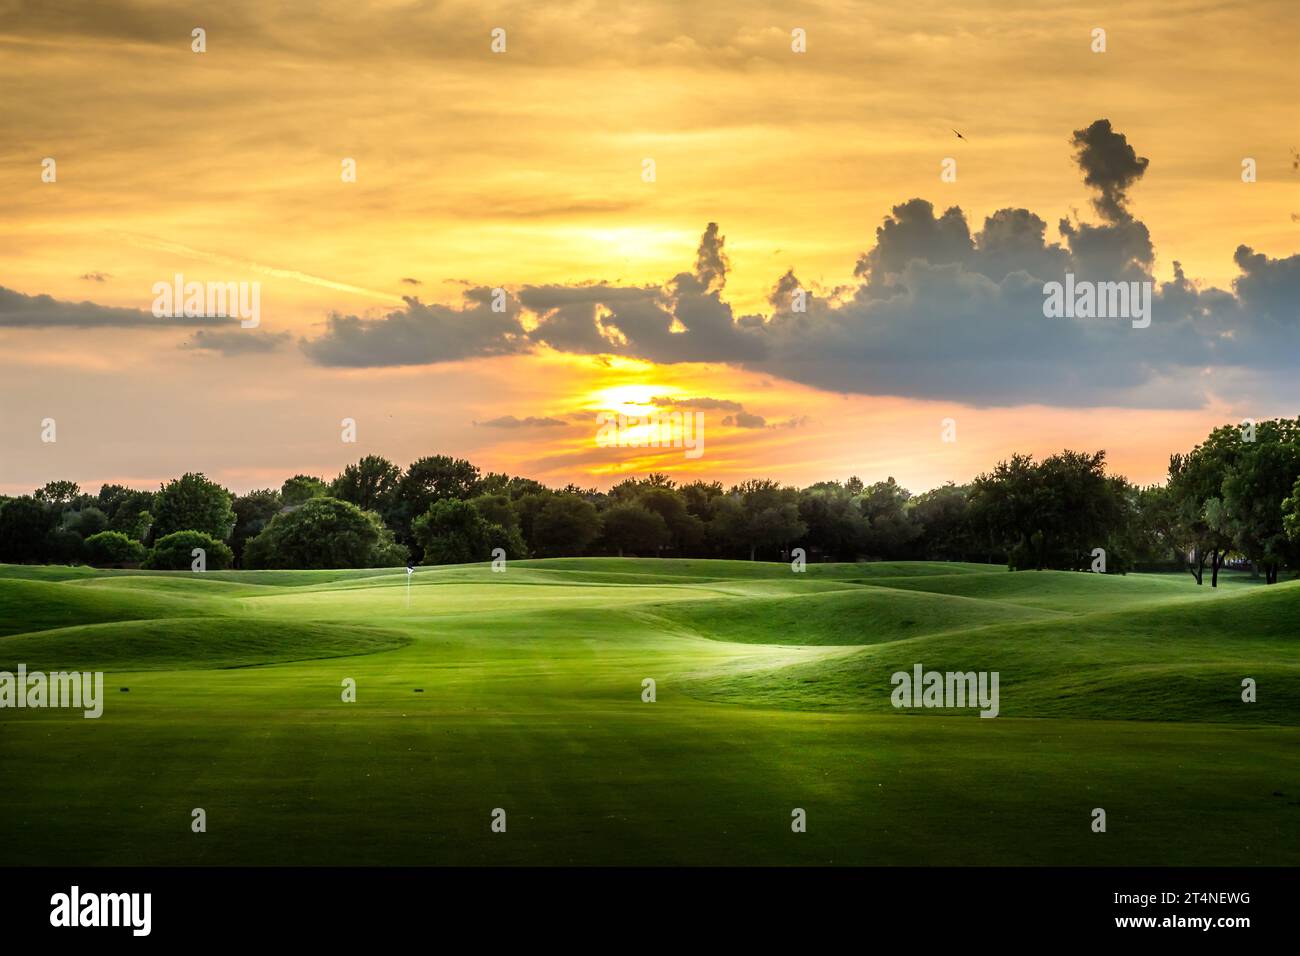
773, 693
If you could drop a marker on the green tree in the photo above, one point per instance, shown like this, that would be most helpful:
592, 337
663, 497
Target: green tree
770, 516
85, 521
453, 531
1291, 513
890, 529
193, 503
1050, 515
1196, 492
685, 531
58, 492
427, 480
302, 488
566, 525
631, 527
129, 511
498, 509
942, 515
253, 512
527, 506
370, 484
1257, 483
25, 526
836, 527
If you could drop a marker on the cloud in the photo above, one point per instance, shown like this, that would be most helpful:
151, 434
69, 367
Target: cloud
236, 341
945, 310
685, 320
510, 421
745, 420
406, 280
96, 276
1110, 165
418, 334
705, 403
797, 421
18, 310
711, 262
740, 418
941, 307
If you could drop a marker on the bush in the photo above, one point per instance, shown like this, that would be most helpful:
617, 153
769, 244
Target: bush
64, 546
174, 552
324, 533
113, 548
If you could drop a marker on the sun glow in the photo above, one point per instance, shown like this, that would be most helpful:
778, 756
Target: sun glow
628, 399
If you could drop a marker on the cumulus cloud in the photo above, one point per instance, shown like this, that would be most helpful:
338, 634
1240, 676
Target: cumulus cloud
941, 307
1110, 165
418, 334
940, 310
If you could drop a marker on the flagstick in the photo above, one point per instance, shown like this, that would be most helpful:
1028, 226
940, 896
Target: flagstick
408, 589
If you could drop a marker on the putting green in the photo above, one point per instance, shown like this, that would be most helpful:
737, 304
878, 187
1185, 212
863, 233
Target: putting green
773, 693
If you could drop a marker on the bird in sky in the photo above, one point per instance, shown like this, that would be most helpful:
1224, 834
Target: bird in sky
959, 135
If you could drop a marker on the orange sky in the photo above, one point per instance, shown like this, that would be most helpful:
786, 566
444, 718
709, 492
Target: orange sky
525, 169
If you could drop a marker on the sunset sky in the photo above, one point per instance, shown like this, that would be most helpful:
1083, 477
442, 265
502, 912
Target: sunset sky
523, 170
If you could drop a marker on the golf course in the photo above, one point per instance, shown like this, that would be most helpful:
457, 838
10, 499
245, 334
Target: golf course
524, 690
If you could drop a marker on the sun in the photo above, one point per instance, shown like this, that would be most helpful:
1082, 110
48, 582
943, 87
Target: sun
629, 399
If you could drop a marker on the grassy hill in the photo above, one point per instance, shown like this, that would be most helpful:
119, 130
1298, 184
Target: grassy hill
522, 690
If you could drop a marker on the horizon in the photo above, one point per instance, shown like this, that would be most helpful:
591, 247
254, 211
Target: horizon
635, 272
92, 487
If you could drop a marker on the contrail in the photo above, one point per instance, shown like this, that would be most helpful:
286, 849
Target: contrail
164, 245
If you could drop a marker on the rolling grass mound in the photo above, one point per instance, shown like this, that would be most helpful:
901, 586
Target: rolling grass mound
1063, 590
841, 617
524, 690
1170, 660
185, 643
33, 605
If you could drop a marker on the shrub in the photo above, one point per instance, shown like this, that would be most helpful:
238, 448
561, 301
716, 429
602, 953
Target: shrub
174, 552
113, 548
324, 533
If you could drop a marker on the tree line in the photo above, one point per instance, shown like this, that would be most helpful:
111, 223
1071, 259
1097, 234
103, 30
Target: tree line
1233, 500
